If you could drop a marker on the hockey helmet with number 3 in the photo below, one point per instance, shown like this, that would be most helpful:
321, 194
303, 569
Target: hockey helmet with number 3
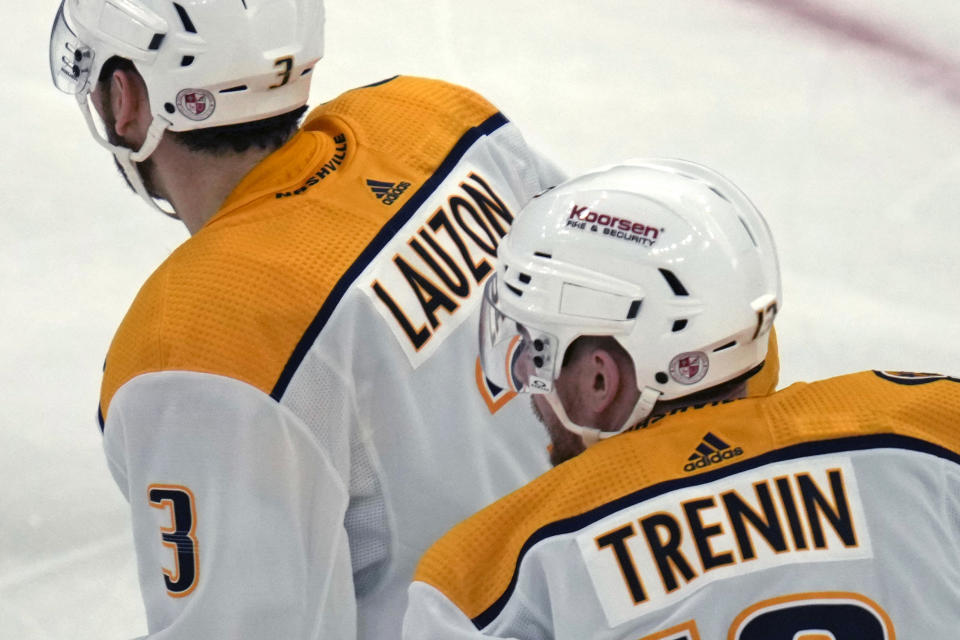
666, 256
205, 63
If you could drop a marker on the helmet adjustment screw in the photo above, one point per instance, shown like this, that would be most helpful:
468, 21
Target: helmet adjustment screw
662, 377
538, 362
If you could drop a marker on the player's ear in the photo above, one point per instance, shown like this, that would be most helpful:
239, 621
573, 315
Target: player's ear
129, 104
599, 381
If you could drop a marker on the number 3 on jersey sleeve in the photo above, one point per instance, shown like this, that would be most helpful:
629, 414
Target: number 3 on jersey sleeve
801, 616
180, 537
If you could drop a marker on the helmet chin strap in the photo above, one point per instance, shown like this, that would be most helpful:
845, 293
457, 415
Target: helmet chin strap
591, 435
128, 158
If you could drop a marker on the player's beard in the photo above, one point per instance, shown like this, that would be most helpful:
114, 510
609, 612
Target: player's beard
146, 168
564, 444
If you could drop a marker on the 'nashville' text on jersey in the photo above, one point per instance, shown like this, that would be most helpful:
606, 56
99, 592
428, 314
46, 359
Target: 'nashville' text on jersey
642, 557
447, 253
329, 167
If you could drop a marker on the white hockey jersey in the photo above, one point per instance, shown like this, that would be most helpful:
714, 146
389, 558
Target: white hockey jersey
828, 510
293, 405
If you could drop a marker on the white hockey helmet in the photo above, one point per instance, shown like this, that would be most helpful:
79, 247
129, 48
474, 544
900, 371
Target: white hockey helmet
666, 256
205, 63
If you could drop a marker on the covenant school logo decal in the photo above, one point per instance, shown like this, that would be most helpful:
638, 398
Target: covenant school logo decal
196, 104
689, 368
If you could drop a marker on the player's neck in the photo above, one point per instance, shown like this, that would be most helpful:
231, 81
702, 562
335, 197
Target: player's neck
196, 183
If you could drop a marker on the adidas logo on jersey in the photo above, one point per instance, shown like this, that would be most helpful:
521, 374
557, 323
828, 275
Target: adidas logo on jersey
711, 450
387, 192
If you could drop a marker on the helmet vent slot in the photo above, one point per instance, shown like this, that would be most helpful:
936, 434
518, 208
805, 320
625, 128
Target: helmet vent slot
717, 191
241, 87
634, 309
726, 346
185, 18
541, 254
524, 278
306, 71
679, 325
749, 233
156, 41
675, 285
186, 61
515, 290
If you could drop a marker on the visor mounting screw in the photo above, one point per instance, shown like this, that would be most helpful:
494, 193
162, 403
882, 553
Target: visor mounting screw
169, 108
538, 345
77, 55
661, 377
537, 362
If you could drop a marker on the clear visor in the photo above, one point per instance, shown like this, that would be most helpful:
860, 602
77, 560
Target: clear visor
514, 356
70, 59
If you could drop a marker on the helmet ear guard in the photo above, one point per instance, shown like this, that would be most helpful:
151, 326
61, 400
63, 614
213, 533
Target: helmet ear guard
666, 256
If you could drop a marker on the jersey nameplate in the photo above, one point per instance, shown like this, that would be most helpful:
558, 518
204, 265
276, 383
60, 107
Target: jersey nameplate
660, 551
425, 282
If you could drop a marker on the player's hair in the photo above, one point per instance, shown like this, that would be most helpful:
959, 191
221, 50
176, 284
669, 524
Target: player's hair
269, 133
583, 343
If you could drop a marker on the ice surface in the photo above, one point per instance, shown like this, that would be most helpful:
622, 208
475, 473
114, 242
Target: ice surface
840, 119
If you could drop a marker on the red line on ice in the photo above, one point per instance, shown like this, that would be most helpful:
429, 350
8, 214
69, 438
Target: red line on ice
934, 67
